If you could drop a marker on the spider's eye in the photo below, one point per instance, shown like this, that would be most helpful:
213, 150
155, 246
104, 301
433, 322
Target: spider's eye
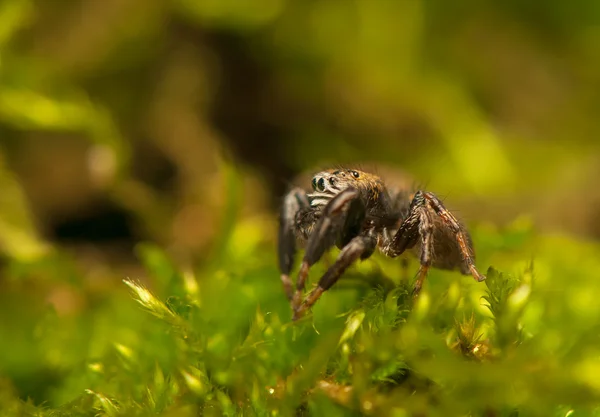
321, 184
318, 184
355, 174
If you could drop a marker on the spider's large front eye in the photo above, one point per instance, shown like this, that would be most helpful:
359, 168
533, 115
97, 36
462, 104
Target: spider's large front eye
318, 184
355, 174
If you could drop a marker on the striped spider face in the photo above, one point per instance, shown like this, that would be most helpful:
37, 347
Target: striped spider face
328, 184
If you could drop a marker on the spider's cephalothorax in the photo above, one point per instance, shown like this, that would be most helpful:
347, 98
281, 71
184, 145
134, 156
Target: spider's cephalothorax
358, 213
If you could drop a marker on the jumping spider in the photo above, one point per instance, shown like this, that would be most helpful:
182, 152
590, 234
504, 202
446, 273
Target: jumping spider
358, 213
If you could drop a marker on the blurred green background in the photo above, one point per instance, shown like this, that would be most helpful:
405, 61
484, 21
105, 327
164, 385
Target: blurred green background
183, 122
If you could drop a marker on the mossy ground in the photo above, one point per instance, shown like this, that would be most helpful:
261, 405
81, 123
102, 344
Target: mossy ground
218, 340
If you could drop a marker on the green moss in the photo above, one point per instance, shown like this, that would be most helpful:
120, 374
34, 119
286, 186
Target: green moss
220, 342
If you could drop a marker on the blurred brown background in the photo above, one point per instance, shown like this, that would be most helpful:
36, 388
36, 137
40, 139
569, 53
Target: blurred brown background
129, 120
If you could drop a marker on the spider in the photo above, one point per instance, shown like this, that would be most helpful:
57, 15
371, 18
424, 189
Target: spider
357, 212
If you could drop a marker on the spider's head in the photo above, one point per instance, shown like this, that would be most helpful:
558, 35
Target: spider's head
327, 184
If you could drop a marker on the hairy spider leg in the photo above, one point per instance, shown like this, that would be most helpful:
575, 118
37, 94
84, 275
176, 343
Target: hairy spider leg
419, 223
416, 225
339, 223
293, 202
459, 234
360, 247
426, 233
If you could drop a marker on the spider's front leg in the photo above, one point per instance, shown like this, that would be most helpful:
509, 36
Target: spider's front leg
340, 223
360, 247
419, 225
294, 201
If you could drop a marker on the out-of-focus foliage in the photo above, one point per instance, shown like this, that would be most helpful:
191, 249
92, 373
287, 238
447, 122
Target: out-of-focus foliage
133, 102
181, 122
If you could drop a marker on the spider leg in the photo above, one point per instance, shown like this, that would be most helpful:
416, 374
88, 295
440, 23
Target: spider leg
419, 224
459, 234
408, 233
340, 222
360, 247
426, 232
293, 202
